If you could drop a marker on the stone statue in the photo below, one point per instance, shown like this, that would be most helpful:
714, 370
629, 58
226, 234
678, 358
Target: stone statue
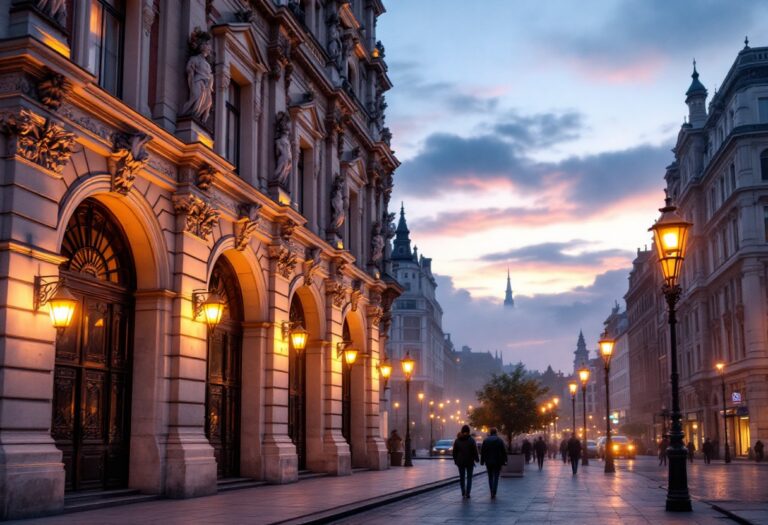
377, 243
335, 46
56, 9
199, 77
338, 203
283, 150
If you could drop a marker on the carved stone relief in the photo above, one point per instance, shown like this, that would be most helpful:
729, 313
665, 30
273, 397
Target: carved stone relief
283, 150
128, 157
200, 217
199, 76
206, 176
311, 265
286, 259
52, 89
39, 139
247, 223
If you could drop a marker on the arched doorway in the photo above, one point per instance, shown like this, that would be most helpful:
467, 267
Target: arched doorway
297, 387
90, 420
223, 381
346, 391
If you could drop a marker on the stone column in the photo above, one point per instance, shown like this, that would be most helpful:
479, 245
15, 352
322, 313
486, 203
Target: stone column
280, 460
753, 297
255, 344
191, 463
376, 449
336, 451
152, 321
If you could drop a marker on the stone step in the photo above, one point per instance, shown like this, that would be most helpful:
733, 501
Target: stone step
227, 484
99, 502
98, 494
308, 474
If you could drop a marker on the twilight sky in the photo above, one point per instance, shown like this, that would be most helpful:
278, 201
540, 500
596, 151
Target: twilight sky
534, 135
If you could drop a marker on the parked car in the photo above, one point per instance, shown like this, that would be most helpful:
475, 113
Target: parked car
591, 448
601, 447
621, 445
442, 447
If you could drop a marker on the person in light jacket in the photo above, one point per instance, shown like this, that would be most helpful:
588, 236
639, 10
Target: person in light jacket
465, 456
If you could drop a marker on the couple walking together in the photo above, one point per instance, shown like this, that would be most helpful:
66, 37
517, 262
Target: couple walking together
493, 454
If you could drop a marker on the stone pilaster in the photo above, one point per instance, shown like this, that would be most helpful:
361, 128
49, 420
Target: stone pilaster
31, 468
191, 465
281, 463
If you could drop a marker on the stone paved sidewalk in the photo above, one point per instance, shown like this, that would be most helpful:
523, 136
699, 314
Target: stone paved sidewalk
266, 504
551, 496
635, 494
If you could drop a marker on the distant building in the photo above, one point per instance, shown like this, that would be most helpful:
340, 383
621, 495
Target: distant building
472, 370
509, 302
417, 330
647, 334
616, 327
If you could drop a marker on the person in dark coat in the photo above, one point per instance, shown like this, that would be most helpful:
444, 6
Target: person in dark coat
663, 446
493, 454
465, 456
526, 449
706, 448
574, 452
691, 449
540, 448
564, 450
759, 450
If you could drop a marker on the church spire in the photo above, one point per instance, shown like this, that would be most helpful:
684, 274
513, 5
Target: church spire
509, 302
696, 98
402, 246
581, 355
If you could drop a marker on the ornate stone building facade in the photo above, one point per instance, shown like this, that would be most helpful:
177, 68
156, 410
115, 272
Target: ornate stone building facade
417, 329
719, 179
159, 157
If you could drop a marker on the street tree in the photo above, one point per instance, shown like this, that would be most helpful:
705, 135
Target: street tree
509, 402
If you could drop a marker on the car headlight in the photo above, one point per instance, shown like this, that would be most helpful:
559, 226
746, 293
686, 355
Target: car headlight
615, 447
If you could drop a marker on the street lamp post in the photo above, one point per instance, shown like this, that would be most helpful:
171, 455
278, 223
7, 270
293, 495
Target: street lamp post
606, 351
573, 388
408, 364
670, 235
431, 419
721, 370
584, 378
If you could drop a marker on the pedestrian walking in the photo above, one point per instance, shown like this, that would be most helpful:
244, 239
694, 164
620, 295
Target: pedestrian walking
526, 449
663, 446
691, 449
564, 449
574, 452
493, 454
465, 456
706, 448
759, 450
540, 448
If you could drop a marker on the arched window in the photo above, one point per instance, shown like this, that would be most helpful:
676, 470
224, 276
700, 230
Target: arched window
764, 165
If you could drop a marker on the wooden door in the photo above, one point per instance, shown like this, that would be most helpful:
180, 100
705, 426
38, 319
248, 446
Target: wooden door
223, 384
90, 419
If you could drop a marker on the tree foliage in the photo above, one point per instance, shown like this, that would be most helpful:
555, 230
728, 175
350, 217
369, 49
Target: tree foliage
509, 403
633, 429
